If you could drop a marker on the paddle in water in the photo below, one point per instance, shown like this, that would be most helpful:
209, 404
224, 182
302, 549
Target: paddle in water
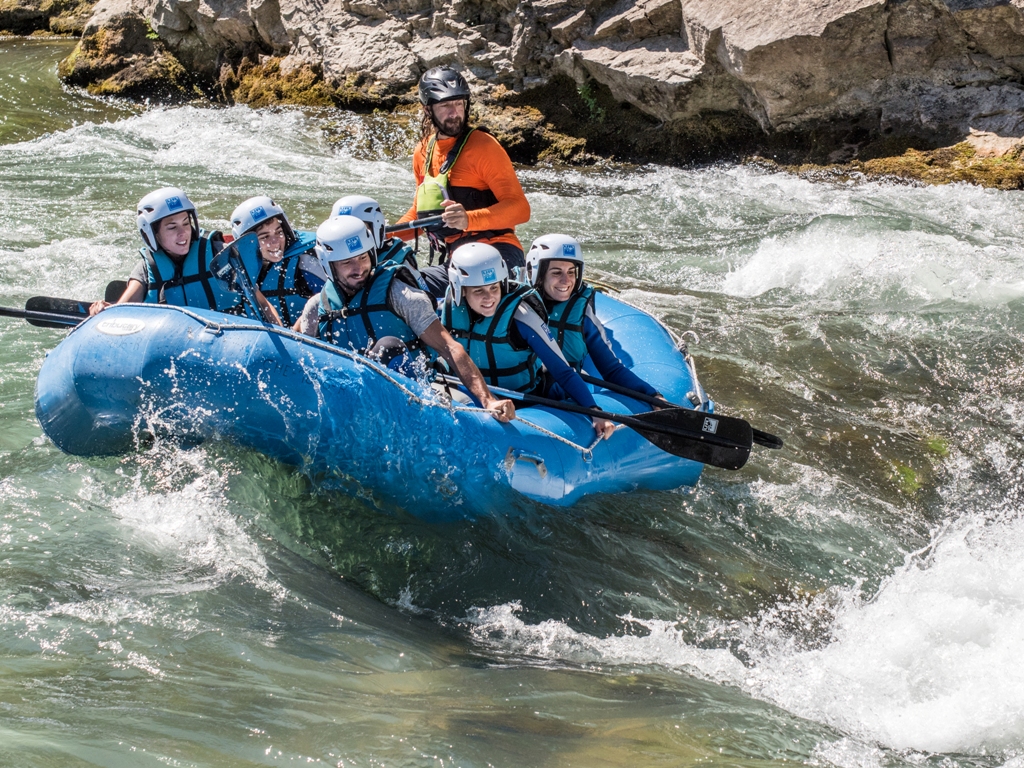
40, 310
720, 441
763, 439
44, 319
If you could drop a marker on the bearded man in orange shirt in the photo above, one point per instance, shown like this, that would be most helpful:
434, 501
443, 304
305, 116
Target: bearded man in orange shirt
465, 175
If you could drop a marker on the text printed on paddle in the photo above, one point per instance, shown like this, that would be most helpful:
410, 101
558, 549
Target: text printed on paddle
710, 426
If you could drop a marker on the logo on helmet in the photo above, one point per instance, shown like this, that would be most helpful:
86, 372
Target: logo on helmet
174, 203
568, 249
346, 211
258, 213
354, 243
488, 275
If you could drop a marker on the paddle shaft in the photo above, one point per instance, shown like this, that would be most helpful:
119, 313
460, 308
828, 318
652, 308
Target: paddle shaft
245, 283
763, 439
49, 317
428, 221
629, 421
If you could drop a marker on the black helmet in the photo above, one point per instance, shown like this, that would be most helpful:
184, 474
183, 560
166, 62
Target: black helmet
442, 84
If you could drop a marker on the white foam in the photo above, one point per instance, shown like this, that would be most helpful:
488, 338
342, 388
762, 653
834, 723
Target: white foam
931, 663
500, 626
192, 522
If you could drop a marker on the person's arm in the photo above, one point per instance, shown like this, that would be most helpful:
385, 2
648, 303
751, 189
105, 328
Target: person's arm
438, 339
138, 287
419, 312
309, 321
487, 166
540, 341
269, 312
607, 362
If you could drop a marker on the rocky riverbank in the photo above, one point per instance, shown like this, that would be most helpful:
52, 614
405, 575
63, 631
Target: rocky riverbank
58, 17
840, 83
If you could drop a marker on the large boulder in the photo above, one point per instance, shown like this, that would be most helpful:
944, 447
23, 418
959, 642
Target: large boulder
119, 55
664, 79
63, 17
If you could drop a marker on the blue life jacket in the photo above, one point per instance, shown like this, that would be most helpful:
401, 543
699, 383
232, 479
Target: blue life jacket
565, 319
285, 285
504, 359
396, 251
361, 320
189, 282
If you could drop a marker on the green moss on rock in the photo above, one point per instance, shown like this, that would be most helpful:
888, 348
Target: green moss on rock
121, 60
266, 84
31, 17
946, 165
263, 86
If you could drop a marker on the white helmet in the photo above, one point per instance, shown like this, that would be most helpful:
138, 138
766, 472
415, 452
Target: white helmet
343, 238
553, 248
160, 204
256, 210
366, 209
475, 264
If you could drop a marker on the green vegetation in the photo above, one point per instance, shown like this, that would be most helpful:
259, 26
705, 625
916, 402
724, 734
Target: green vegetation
588, 97
958, 163
906, 478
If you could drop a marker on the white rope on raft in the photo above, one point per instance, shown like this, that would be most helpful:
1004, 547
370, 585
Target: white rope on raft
218, 327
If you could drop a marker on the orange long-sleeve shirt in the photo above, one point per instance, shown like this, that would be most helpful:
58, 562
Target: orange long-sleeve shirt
482, 164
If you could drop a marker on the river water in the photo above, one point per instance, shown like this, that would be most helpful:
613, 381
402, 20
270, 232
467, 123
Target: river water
855, 600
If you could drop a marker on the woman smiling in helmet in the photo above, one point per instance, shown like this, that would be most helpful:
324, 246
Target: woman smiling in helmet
175, 265
554, 265
501, 326
289, 272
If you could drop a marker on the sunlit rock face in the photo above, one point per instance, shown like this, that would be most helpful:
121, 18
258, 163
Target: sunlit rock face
830, 77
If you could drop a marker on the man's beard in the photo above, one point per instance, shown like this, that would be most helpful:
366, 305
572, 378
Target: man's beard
453, 126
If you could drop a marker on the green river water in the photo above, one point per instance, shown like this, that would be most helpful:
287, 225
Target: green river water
855, 600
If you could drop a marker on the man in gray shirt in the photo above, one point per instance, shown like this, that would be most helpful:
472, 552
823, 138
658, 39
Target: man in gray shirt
362, 307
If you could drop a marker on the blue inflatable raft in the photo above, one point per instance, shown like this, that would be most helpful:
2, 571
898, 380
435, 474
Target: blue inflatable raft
194, 375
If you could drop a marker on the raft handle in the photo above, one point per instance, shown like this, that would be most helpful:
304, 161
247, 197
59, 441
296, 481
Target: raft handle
514, 455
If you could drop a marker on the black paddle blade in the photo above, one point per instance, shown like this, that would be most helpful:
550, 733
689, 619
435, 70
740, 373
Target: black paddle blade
766, 440
56, 306
115, 288
721, 441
